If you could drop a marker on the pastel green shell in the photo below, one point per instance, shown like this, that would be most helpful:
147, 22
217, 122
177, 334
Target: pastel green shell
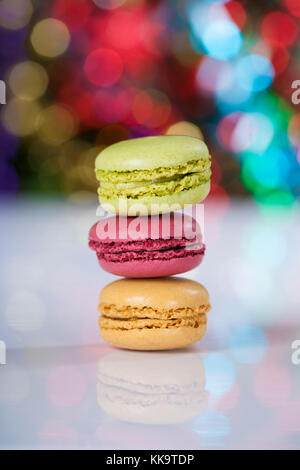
148, 153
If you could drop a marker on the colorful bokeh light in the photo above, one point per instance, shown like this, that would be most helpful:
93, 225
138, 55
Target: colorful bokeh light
204, 68
221, 39
15, 14
293, 6
50, 37
28, 80
248, 344
103, 67
254, 72
279, 28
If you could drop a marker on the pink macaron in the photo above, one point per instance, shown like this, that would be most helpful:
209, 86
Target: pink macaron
156, 246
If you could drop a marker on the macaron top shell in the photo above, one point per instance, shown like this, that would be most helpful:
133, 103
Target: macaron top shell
157, 293
148, 153
168, 226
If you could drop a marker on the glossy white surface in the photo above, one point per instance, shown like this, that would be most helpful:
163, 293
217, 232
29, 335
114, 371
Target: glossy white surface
63, 388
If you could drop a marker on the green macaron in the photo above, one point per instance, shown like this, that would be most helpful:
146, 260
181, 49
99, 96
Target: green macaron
153, 175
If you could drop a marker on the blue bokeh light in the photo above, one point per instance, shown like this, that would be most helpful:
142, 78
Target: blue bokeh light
253, 133
216, 1
264, 132
248, 344
270, 169
254, 72
221, 39
232, 97
212, 424
220, 373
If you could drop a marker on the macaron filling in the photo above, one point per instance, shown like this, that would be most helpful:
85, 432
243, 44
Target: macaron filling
127, 318
129, 312
157, 182
144, 250
134, 323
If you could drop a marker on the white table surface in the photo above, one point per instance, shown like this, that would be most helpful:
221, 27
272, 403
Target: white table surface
50, 282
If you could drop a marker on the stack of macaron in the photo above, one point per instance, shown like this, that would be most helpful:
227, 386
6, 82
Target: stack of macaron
143, 182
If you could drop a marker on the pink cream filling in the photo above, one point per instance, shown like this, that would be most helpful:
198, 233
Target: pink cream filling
147, 250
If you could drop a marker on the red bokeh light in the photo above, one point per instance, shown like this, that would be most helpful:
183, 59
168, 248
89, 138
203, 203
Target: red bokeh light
112, 105
124, 30
293, 6
74, 14
279, 28
127, 30
280, 59
84, 105
237, 13
226, 129
103, 67
294, 130
160, 114
142, 107
152, 110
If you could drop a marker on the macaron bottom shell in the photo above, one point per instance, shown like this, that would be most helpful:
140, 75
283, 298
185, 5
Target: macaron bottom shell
156, 205
152, 268
153, 339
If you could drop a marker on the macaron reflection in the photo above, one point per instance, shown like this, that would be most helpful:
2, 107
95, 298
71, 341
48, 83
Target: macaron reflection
153, 314
152, 388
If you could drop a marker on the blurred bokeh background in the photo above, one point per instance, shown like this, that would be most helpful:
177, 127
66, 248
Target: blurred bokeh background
84, 74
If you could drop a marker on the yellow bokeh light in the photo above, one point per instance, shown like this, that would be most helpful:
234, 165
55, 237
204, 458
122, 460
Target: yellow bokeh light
50, 37
56, 125
21, 117
15, 14
185, 128
28, 80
